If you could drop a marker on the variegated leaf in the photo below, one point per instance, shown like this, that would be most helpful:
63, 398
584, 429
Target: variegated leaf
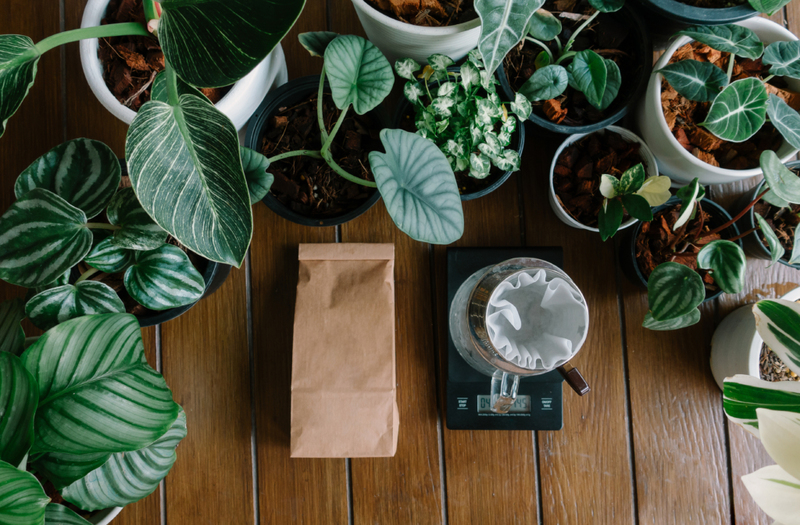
358, 73
776, 249
729, 38
164, 278
158, 90
83, 172
692, 318
137, 230
18, 60
739, 110
778, 324
22, 498
42, 236
780, 435
55, 514
54, 306
61, 280
674, 290
64, 468
12, 338
110, 258
18, 399
744, 394
727, 263
503, 24
776, 492
259, 180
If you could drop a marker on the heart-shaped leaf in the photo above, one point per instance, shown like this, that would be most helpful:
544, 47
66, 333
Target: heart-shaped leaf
637, 207
782, 181
158, 90
96, 391
22, 498
407, 67
729, 38
544, 26
255, 167
128, 477
655, 190
503, 25
590, 75
677, 323
419, 187
785, 119
137, 230
18, 60
214, 43
607, 6
316, 42
546, 83
164, 278
674, 290
55, 514
64, 468
613, 83
727, 263
61, 280
744, 394
773, 244
778, 323
12, 338
784, 57
186, 171
768, 7
739, 111
440, 63
42, 236
695, 80
358, 73
54, 306
610, 218
109, 258
18, 399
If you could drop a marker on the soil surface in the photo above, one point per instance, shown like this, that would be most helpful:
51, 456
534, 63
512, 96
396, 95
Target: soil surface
772, 368
783, 221
712, 4
430, 13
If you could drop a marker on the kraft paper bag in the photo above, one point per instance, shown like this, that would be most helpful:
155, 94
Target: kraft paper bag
343, 354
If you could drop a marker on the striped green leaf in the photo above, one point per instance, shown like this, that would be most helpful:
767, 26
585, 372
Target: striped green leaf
159, 89
778, 324
782, 181
677, 323
63, 468
674, 290
743, 394
785, 119
768, 7
164, 278
83, 172
54, 306
42, 236
55, 514
110, 258
729, 38
18, 399
96, 390
727, 263
739, 111
18, 60
186, 171
22, 498
138, 231
695, 80
774, 245
255, 167
358, 73
784, 58
503, 25
129, 477
61, 280
214, 43
316, 42
12, 337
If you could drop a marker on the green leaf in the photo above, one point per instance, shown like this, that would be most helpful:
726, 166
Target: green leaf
128, 477
771, 198
109, 258
677, 323
768, 7
64, 468
96, 391
503, 25
743, 394
773, 244
729, 38
546, 83
255, 167
214, 43
727, 263
590, 75
695, 80
413, 92
674, 290
358, 73
610, 218
778, 324
54, 306
544, 26
479, 166
631, 181
158, 91
316, 42
83, 172
470, 75
637, 207
164, 278
19, 396
795, 257
55, 514
785, 119
12, 338
418, 187
22, 498
782, 181
784, 57
543, 59
407, 67
739, 111
42, 236
689, 196
138, 231
440, 62
521, 107
186, 171
607, 6
609, 186
613, 83
18, 60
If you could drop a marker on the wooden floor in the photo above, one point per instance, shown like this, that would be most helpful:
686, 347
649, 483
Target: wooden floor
649, 445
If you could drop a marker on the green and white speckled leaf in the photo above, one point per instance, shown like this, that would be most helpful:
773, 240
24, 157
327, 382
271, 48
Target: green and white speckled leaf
55, 514
18, 60
743, 394
778, 324
358, 73
83, 172
129, 477
96, 391
22, 498
42, 236
164, 278
138, 231
109, 258
739, 111
316, 42
785, 119
695, 80
674, 290
12, 337
63, 468
727, 263
54, 306
729, 38
214, 43
677, 323
784, 58
503, 24
18, 399
255, 167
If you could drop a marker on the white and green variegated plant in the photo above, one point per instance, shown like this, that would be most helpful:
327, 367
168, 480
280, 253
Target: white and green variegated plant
183, 154
631, 193
82, 409
462, 113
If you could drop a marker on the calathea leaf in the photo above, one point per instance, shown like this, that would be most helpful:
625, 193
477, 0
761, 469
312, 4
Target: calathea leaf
12, 338
768, 7
158, 90
55, 514
677, 323
778, 324
695, 80
64, 468
544, 26
255, 167
316, 42
22, 498
782, 181
83, 172
607, 6
358, 73
18, 60
773, 244
546, 83
54, 306
503, 24
610, 218
744, 394
164, 278
729, 38
590, 75
727, 263
137, 230
214, 43
18, 399
785, 119
42, 236
109, 258
739, 111
637, 207
674, 290
418, 187
784, 58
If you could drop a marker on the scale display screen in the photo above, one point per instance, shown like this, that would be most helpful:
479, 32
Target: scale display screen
522, 405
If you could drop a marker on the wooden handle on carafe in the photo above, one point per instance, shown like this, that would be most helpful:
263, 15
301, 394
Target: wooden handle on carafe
574, 379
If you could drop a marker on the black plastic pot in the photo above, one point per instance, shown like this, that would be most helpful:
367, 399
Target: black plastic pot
671, 15
630, 91
287, 95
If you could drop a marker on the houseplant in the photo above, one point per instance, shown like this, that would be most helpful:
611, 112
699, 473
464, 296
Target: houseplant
673, 14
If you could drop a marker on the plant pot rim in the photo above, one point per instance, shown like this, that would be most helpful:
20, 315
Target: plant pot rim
676, 10
405, 26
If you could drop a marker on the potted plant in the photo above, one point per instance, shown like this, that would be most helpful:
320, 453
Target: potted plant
119, 447
712, 124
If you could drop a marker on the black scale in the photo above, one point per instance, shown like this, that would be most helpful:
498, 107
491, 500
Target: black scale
539, 399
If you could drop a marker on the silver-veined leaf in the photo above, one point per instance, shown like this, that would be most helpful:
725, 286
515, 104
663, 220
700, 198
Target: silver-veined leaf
784, 58
358, 73
56, 305
729, 38
695, 80
727, 263
22, 498
12, 337
544, 26
546, 83
418, 186
137, 230
778, 324
55, 514
109, 258
259, 180
63, 468
164, 278
158, 90
785, 119
674, 290
773, 243
677, 323
768, 7
782, 181
19, 396
42, 236
503, 24
744, 394
18, 60
316, 42
739, 111
607, 6
589, 74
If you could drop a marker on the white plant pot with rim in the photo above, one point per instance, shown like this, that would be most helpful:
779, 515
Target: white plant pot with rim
651, 170
673, 160
736, 345
398, 39
104, 517
238, 104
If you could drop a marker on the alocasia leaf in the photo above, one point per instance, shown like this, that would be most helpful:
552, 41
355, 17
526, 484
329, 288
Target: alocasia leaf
785, 119
782, 181
607, 6
18, 60
255, 167
739, 111
768, 7
12, 338
546, 83
674, 290
54, 306
544, 26
610, 218
55, 514
358, 73
164, 278
727, 263
109, 257
590, 75
695, 80
784, 58
503, 24
19, 397
677, 323
778, 323
729, 38
22, 498
316, 42
137, 230
773, 244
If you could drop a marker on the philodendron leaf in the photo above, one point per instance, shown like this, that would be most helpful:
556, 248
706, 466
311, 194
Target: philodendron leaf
609, 186
785, 119
744, 394
22, 498
637, 207
590, 75
42, 236
546, 83
633, 178
776, 492
55, 514
64, 468
610, 218
19, 396
93, 368
503, 24
784, 58
739, 111
773, 243
109, 258
358, 73
128, 477
54, 306
83, 172
780, 433
158, 90
255, 167
418, 186
607, 6
164, 278
214, 43
18, 60
778, 324
316, 42
727, 263
544, 26
729, 38
186, 171
689, 196
137, 230
674, 290
677, 323
782, 181
695, 80
12, 338
768, 7
655, 190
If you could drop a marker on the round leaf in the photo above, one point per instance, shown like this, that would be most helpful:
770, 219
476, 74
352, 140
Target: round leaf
358, 73
609, 186
781, 181
674, 290
503, 25
637, 207
695, 80
138, 231
610, 218
164, 278
22, 498
12, 338
784, 57
739, 111
19, 396
55, 514
18, 60
683, 321
109, 258
785, 119
773, 244
544, 26
590, 75
730, 38
316, 42
546, 83
255, 167
607, 6
56, 305
727, 263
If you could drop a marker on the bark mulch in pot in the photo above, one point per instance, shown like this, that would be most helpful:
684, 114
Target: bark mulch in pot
772, 368
783, 222
429, 13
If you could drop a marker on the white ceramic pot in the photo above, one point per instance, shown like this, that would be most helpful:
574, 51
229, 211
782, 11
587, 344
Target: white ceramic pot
651, 169
398, 39
673, 160
104, 517
238, 104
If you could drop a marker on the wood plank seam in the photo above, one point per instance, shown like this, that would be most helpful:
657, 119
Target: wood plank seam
253, 433
162, 486
537, 478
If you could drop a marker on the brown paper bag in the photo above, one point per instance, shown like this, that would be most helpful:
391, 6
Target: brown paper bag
343, 355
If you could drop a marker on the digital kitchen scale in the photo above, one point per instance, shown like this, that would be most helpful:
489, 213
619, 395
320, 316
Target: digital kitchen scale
539, 400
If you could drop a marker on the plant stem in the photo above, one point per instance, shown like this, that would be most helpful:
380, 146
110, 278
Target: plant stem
577, 31
296, 153
768, 79
329, 141
739, 215
542, 45
108, 30
558, 43
150, 11
320, 116
102, 226
85, 275
565, 56
745, 234
341, 171
731, 59
172, 85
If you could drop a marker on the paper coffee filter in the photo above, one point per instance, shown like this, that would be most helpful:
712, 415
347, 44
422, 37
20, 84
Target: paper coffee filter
536, 323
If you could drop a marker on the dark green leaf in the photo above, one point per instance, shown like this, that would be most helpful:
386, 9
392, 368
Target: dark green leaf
743, 394
730, 38
784, 57
613, 83
778, 323
607, 6
109, 258
674, 290
56, 305
164, 278
55, 514
159, 89
19, 396
546, 83
677, 323
503, 25
544, 26
255, 167
590, 76
543, 59
316, 42
18, 60
727, 263
138, 231
768, 7
610, 218
773, 244
64, 468
358, 73
22, 498
689, 196
739, 111
637, 207
12, 338
695, 80
781, 180
785, 119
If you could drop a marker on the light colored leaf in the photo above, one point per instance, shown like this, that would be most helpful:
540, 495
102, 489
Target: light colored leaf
503, 24
773, 243
109, 258
769, 8
695, 80
470, 75
689, 197
795, 257
12, 337
55, 514
259, 180
137, 230
739, 111
508, 161
56, 305
784, 58
316, 42
446, 89
18, 60
590, 76
164, 278
674, 290
727, 263
778, 324
358, 73
780, 435
521, 106
785, 119
744, 394
544, 26
412, 91
655, 190
782, 181
479, 166
608, 186
22, 498
546, 83
677, 323
729, 38
776, 492
443, 106
19, 396
406, 68
440, 62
